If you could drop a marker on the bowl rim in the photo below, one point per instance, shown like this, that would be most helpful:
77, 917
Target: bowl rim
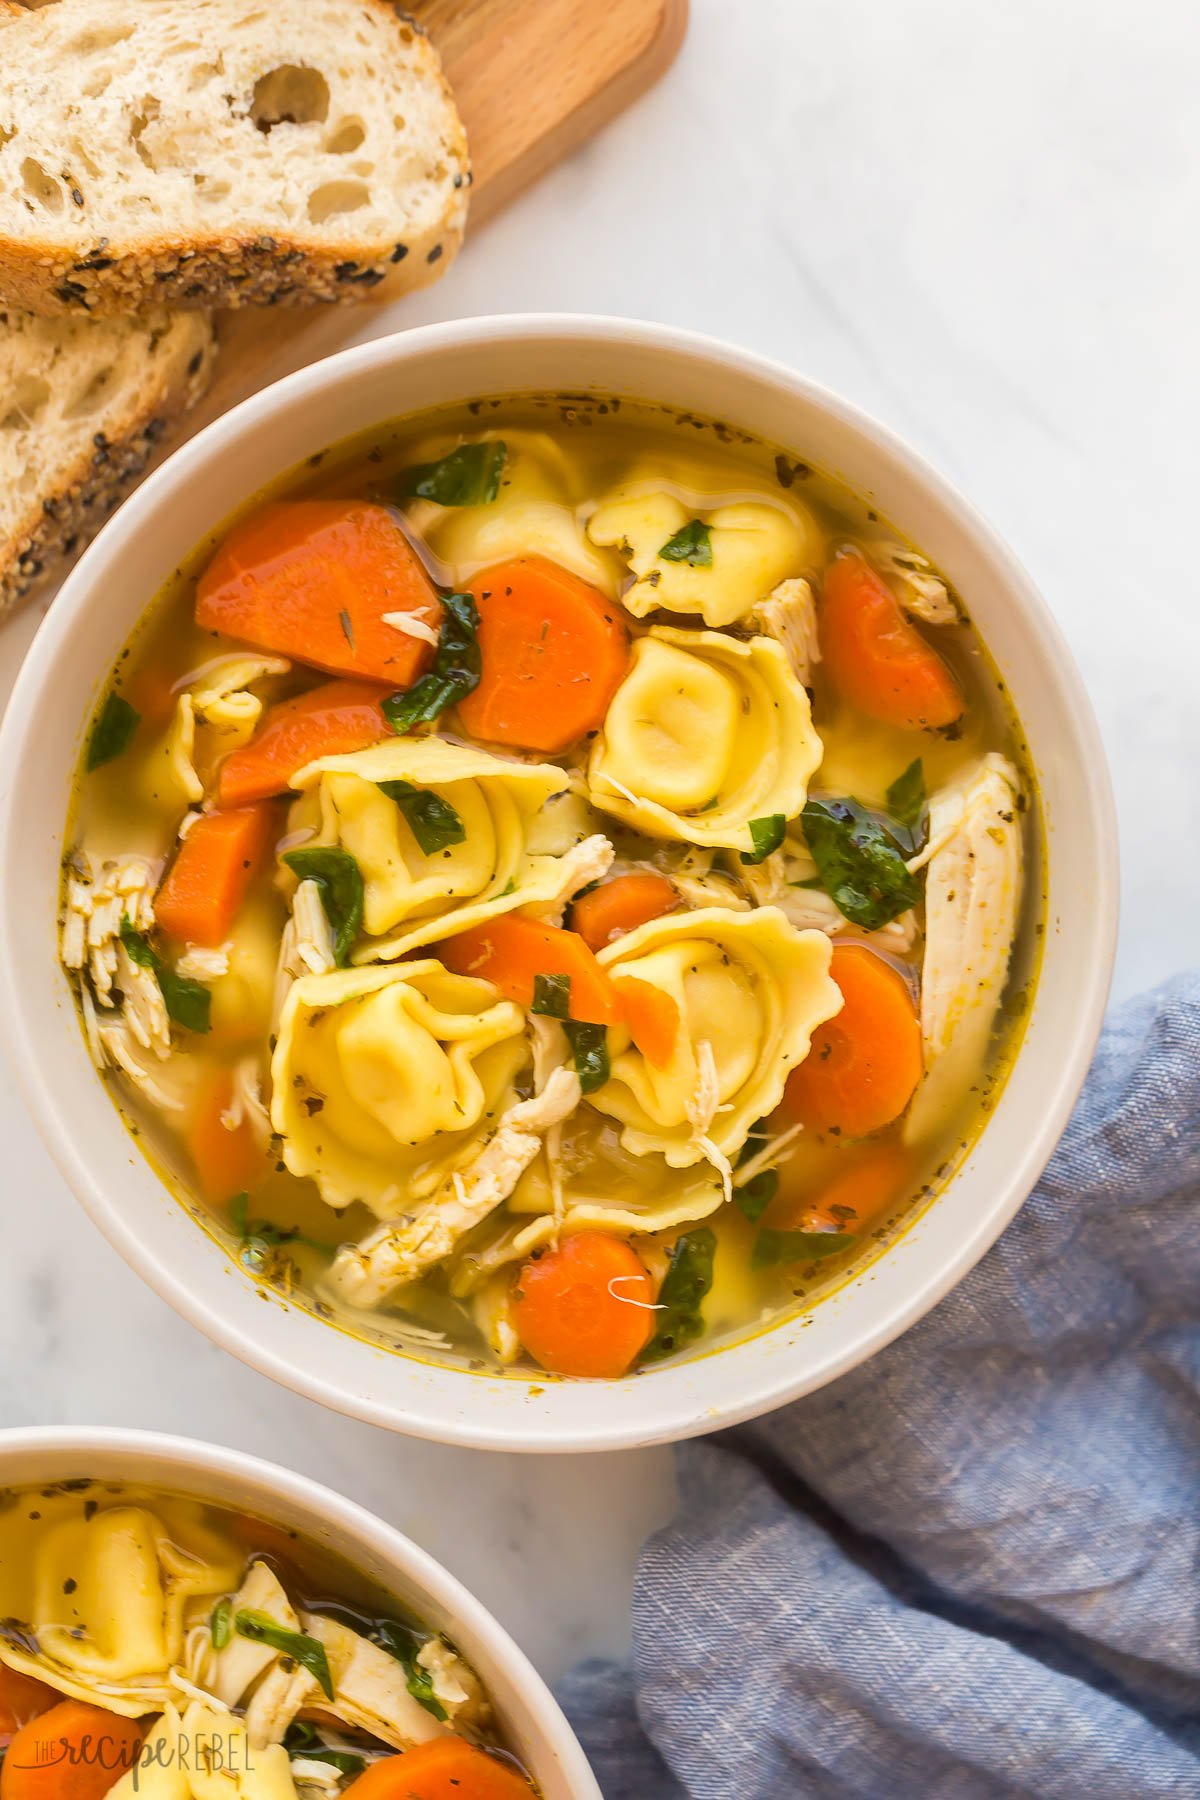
675, 1415
297, 1493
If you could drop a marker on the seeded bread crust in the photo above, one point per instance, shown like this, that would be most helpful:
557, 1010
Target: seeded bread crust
224, 269
88, 471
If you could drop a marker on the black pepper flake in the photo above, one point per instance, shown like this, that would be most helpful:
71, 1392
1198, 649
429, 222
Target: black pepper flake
70, 1584
434, 254
399, 253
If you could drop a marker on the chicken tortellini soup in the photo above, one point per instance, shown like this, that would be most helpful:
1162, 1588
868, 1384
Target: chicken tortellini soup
156, 1648
551, 885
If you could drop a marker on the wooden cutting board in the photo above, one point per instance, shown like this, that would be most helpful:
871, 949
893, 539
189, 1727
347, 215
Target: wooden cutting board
534, 79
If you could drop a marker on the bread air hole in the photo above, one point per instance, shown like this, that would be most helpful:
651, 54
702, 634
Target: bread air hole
103, 37
289, 95
26, 403
346, 136
337, 197
90, 395
137, 126
41, 185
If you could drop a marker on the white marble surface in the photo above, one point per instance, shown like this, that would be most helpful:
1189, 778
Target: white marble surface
978, 224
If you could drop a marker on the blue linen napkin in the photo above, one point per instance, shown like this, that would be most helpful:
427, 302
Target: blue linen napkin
969, 1569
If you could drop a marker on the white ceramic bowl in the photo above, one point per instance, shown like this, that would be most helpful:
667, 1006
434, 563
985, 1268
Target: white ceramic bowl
527, 1711
68, 667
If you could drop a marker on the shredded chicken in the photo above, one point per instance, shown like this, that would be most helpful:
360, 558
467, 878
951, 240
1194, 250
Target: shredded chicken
97, 904
581, 864
306, 944
411, 626
703, 1108
700, 884
125, 1017
246, 1104
789, 615
217, 695
401, 1249
200, 964
919, 591
491, 1308
773, 1152
972, 899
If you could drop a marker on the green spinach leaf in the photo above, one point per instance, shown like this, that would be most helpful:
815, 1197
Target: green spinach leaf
340, 883
303, 1740
402, 1643
688, 1278
772, 1247
691, 544
457, 666
552, 996
907, 803
309, 1652
860, 862
188, 1002
589, 1047
754, 1196
468, 476
766, 835
432, 820
113, 731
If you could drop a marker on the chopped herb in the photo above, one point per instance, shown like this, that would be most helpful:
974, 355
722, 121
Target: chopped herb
113, 731
552, 996
766, 835
259, 1238
309, 1652
188, 1003
754, 1196
303, 1740
221, 1623
455, 672
688, 1278
692, 544
468, 476
339, 880
589, 1046
907, 803
402, 1643
772, 1247
432, 820
860, 862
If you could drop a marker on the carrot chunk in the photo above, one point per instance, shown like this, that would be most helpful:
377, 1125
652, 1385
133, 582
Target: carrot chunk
553, 650
317, 580
652, 1017
72, 1752
445, 1768
512, 950
226, 1162
208, 881
875, 657
584, 1309
864, 1064
331, 720
876, 1177
21, 1699
620, 905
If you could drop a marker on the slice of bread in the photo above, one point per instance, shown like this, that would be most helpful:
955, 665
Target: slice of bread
83, 404
203, 153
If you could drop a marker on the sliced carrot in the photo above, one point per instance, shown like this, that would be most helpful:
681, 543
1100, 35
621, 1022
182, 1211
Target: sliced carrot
208, 881
316, 580
864, 1064
330, 720
512, 950
652, 1017
586, 1308
875, 657
72, 1752
21, 1699
621, 905
445, 1768
876, 1177
553, 649
226, 1162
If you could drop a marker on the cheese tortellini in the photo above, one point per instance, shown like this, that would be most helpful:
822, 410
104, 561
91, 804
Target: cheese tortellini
705, 733
753, 546
384, 1079
535, 515
750, 991
414, 896
107, 1603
